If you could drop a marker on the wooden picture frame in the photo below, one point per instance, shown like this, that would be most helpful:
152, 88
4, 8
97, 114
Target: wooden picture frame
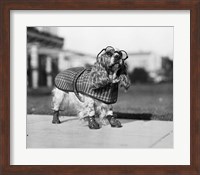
7, 5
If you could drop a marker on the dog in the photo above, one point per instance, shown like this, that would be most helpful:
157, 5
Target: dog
92, 91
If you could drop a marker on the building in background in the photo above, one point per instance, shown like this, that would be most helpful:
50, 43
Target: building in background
46, 57
75, 59
149, 61
44, 49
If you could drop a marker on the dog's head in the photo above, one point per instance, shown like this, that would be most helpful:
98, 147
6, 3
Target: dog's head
112, 59
110, 64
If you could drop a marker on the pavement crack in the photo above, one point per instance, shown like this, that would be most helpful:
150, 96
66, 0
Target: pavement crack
163, 137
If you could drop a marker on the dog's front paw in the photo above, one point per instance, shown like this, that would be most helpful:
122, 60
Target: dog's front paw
56, 117
92, 123
114, 122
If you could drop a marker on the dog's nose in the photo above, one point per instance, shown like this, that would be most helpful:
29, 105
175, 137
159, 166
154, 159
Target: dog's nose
117, 59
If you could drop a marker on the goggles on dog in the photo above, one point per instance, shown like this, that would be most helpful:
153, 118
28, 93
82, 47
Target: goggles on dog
109, 50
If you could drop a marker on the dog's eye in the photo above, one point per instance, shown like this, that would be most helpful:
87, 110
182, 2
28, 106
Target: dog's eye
109, 53
117, 57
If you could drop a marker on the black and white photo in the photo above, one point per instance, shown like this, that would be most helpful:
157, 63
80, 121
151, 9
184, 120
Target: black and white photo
100, 87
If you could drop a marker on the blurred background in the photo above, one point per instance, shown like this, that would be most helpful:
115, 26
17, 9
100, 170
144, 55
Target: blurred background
150, 65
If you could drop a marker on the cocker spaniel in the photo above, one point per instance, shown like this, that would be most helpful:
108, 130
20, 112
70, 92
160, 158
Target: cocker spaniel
92, 91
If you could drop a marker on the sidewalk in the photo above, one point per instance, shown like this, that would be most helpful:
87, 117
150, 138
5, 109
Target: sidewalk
72, 133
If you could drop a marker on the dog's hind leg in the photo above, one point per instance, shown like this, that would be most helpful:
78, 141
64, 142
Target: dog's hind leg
58, 97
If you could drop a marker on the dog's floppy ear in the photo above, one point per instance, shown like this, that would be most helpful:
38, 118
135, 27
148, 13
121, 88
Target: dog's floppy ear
124, 81
124, 78
98, 76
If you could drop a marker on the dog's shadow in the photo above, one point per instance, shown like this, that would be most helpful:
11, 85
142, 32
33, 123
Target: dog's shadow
120, 115
134, 116
130, 117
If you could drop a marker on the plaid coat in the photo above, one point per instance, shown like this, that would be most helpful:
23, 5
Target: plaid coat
77, 80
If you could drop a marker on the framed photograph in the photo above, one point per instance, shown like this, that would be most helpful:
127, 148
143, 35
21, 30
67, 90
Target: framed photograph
100, 87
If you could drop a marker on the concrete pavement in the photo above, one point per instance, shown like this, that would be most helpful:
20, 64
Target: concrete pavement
73, 133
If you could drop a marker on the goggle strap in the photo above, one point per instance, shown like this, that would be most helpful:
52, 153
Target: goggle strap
100, 52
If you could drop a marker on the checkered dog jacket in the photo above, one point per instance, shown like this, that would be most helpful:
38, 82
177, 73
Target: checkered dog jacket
77, 80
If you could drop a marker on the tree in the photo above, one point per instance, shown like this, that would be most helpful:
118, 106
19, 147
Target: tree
139, 75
